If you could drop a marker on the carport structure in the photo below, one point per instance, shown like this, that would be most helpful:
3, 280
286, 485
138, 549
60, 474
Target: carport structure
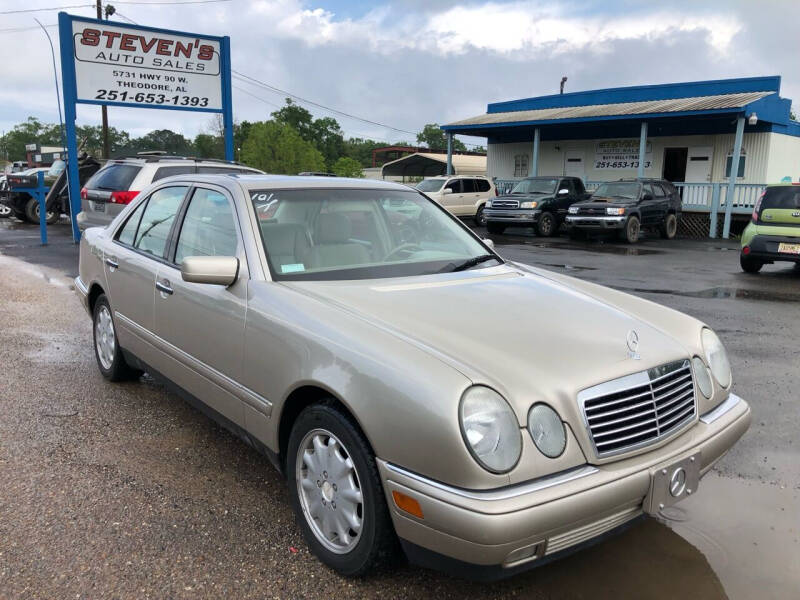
696, 114
429, 164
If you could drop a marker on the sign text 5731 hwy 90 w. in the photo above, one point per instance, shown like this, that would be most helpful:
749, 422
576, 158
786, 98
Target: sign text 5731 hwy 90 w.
123, 65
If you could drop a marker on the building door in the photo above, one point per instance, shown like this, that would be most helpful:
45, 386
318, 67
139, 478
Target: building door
573, 164
698, 170
675, 164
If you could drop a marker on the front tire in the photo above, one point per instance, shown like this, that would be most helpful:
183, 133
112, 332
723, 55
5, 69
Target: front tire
480, 218
547, 225
630, 234
32, 213
495, 228
109, 356
5, 211
750, 265
669, 228
336, 492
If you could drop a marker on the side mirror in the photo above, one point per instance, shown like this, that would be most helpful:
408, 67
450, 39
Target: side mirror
563, 192
447, 191
488, 242
217, 270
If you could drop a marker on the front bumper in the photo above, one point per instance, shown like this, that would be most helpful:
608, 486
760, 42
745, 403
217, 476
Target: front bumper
519, 216
82, 292
497, 533
598, 222
765, 247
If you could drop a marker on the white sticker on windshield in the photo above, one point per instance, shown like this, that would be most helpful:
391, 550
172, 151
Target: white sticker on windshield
293, 268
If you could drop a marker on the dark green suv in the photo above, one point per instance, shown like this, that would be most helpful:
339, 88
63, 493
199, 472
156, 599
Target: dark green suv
774, 231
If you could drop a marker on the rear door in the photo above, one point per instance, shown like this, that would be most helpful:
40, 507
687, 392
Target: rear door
201, 326
470, 196
131, 265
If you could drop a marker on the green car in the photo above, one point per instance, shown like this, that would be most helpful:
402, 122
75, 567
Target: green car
774, 232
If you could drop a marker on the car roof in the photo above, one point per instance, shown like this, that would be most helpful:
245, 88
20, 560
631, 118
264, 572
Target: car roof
266, 182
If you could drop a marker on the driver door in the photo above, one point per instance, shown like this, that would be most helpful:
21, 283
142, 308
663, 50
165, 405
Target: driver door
453, 200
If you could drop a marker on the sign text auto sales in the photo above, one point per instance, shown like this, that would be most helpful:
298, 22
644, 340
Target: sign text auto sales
116, 63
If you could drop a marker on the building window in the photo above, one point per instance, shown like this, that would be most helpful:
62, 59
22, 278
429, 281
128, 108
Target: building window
521, 165
729, 160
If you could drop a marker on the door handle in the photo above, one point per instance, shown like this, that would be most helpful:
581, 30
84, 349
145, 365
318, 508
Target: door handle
112, 263
164, 287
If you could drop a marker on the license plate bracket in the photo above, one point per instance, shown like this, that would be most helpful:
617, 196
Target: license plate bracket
672, 483
99, 206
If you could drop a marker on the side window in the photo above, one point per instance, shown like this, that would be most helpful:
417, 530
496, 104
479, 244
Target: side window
579, 189
455, 185
483, 185
208, 228
648, 189
567, 183
660, 193
162, 172
469, 186
157, 220
127, 234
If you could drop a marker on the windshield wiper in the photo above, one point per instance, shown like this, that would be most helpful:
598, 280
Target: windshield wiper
470, 262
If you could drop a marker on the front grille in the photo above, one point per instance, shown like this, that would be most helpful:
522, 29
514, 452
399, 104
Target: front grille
639, 409
591, 210
505, 204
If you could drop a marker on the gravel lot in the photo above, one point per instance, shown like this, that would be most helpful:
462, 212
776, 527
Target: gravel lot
124, 491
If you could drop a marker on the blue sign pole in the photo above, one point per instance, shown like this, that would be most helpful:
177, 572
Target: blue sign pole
68, 87
227, 97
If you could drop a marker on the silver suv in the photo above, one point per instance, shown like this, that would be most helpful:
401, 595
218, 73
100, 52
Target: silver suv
113, 187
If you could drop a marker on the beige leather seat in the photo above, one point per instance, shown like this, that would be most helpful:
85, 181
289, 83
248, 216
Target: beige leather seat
333, 246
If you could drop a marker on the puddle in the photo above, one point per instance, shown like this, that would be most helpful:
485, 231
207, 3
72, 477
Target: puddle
568, 267
596, 247
723, 293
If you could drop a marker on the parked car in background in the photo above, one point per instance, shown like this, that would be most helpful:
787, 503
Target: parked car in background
5, 209
332, 337
114, 186
773, 233
626, 207
22, 205
540, 202
315, 174
461, 195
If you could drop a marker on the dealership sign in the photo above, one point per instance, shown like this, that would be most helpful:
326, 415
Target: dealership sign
113, 64
621, 154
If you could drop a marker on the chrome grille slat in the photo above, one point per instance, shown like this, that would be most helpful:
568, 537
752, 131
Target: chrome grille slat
639, 409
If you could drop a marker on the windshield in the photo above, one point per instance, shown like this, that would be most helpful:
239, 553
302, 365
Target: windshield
535, 186
57, 167
338, 234
620, 189
430, 185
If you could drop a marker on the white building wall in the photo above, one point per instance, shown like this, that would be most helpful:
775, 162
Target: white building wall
552, 156
784, 158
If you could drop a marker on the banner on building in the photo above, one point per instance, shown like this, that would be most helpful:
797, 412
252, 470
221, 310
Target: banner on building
621, 154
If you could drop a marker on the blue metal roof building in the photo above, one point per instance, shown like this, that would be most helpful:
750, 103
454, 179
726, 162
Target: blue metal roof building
685, 132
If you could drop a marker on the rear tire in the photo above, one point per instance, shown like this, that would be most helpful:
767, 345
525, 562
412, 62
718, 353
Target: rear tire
32, 213
5, 211
669, 228
630, 233
495, 228
750, 265
356, 536
547, 225
480, 218
109, 356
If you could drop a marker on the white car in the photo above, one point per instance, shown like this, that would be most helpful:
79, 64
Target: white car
461, 195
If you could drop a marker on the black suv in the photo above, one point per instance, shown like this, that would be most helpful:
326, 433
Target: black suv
538, 202
626, 207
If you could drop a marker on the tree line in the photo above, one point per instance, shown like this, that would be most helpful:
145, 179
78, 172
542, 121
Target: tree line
289, 142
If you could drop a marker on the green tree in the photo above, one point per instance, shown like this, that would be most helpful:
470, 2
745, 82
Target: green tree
297, 117
207, 145
435, 139
32, 131
360, 149
348, 167
90, 139
327, 136
276, 147
159, 139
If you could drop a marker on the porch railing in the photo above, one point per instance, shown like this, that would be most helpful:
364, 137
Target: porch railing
709, 198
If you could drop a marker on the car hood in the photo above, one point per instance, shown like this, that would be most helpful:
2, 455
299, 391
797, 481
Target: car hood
603, 201
531, 337
525, 197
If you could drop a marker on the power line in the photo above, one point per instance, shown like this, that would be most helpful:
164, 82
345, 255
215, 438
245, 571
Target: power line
168, 3
30, 10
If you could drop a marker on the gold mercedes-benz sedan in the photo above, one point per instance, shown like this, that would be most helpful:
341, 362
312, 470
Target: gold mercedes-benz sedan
417, 390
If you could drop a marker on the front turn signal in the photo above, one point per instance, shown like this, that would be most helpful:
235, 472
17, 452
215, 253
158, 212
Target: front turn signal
407, 504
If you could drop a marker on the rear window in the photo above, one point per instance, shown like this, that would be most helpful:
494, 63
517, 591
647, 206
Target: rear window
114, 177
163, 172
224, 170
483, 185
782, 197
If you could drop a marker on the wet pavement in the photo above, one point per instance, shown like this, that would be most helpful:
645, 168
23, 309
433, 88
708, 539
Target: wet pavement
124, 491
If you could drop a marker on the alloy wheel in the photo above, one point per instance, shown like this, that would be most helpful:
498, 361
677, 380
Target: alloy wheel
104, 336
330, 491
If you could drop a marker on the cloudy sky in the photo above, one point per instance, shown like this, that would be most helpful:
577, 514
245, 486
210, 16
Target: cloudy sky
405, 63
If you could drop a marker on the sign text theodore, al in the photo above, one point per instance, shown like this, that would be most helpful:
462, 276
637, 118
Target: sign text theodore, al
129, 65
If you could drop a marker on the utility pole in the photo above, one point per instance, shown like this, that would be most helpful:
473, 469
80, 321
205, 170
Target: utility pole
104, 109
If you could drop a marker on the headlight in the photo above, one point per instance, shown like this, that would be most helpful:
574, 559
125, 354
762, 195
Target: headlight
716, 357
573, 210
703, 377
490, 429
529, 205
615, 211
547, 430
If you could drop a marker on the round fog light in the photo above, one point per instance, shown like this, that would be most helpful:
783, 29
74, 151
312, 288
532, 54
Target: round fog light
702, 376
547, 430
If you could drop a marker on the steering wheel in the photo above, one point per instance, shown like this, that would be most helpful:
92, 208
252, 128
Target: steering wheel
407, 247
